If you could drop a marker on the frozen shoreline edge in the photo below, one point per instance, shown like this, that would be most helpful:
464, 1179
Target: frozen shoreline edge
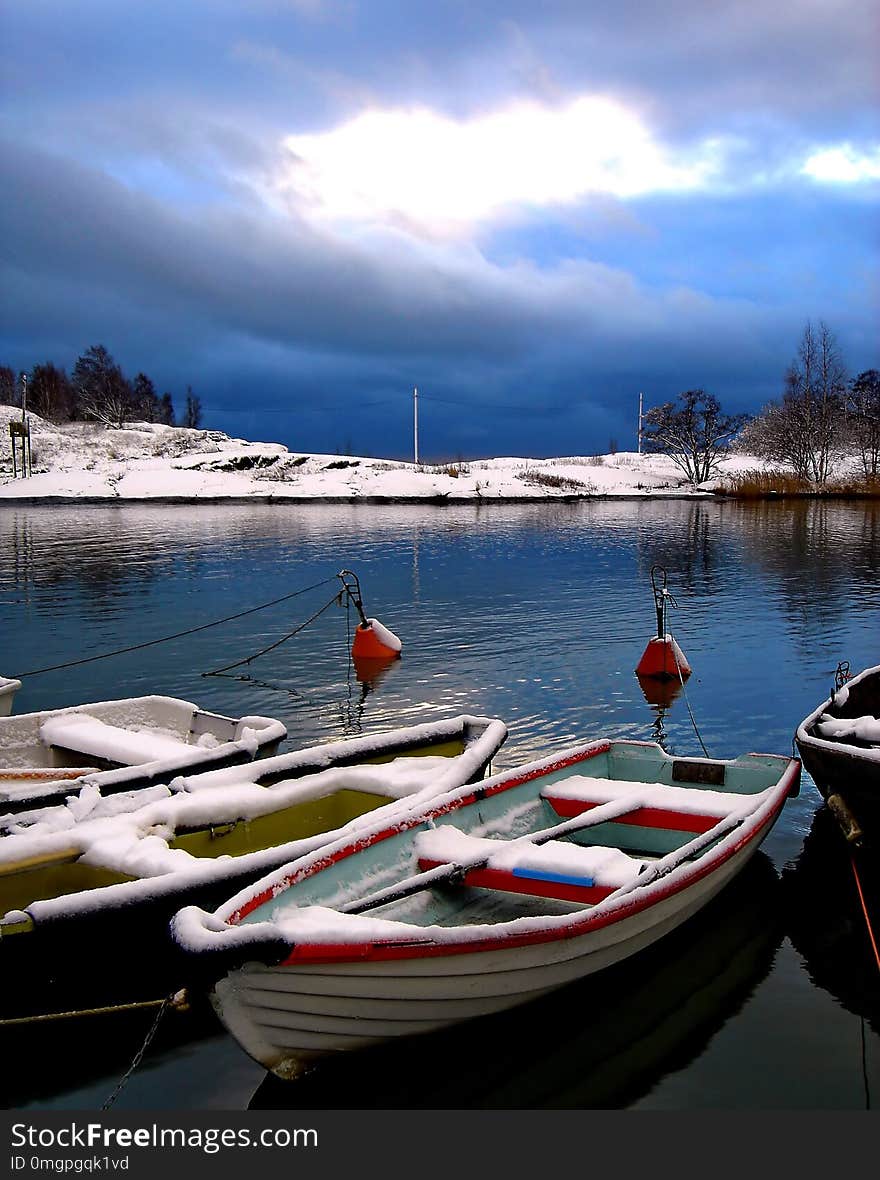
436, 501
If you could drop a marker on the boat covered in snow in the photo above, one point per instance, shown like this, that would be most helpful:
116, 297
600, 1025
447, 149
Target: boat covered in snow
87, 889
120, 745
8, 688
839, 745
482, 899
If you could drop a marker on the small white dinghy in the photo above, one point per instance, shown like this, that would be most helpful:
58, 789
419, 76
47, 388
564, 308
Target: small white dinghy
119, 746
483, 899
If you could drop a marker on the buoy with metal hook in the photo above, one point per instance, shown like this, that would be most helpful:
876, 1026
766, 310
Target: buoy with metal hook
372, 640
662, 659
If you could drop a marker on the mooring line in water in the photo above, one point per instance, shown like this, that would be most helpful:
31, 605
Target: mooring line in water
120, 651
688, 703
873, 941
867, 916
277, 643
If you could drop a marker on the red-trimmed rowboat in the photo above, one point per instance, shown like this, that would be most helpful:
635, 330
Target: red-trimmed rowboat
483, 899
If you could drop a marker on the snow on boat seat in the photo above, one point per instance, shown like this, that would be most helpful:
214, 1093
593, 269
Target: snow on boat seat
88, 735
861, 729
682, 809
565, 872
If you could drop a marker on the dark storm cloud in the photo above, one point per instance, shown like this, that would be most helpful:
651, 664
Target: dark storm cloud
143, 144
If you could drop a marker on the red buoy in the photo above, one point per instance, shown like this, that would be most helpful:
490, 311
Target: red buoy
662, 659
372, 641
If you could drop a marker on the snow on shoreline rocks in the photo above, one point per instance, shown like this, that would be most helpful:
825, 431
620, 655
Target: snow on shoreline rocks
145, 461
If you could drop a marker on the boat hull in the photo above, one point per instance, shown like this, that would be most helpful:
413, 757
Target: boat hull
842, 767
285, 1017
120, 745
110, 943
509, 913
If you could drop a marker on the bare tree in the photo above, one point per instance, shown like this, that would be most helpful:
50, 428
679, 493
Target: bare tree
166, 409
192, 415
49, 393
695, 434
863, 419
146, 403
806, 429
102, 391
9, 394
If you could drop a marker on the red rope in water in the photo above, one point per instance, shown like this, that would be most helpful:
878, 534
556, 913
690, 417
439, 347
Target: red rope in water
865, 910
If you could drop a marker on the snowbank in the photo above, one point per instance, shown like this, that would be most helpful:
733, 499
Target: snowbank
147, 461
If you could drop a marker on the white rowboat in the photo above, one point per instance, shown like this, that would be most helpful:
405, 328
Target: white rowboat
484, 899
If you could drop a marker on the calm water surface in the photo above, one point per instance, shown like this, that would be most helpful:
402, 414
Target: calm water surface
537, 615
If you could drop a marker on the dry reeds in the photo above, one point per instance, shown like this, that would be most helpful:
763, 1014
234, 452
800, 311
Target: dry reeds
760, 485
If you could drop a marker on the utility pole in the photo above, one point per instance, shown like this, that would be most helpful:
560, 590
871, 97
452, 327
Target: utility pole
639, 423
415, 425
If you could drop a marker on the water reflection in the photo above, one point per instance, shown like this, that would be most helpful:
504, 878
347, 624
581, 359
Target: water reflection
818, 556
825, 920
537, 614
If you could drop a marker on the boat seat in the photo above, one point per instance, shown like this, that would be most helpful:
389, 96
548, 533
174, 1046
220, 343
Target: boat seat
554, 869
82, 734
680, 809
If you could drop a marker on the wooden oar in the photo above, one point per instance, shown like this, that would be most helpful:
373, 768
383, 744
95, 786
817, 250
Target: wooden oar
452, 872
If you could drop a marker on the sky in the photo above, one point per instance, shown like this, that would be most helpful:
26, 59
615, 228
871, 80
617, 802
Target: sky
532, 213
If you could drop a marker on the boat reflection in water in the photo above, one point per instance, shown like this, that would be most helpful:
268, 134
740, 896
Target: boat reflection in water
825, 919
602, 1042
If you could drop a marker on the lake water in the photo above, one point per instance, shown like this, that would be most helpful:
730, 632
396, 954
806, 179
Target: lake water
538, 615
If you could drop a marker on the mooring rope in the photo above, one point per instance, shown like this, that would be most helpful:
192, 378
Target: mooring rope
277, 643
179, 634
40, 1017
865, 913
687, 701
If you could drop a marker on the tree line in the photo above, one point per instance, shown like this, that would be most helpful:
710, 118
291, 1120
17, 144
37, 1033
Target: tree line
821, 416
96, 390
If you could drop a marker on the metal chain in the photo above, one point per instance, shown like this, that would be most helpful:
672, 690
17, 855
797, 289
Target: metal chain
139, 1055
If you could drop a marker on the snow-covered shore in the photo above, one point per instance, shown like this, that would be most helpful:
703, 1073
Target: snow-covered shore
147, 461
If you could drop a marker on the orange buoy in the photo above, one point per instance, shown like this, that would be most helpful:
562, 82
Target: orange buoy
662, 659
373, 641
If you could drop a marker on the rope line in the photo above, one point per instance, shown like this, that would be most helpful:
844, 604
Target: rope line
40, 1017
178, 635
687, 702
864, 906
867, 917
277, 643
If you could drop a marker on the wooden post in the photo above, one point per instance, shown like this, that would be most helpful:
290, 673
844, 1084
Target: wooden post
20, 437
